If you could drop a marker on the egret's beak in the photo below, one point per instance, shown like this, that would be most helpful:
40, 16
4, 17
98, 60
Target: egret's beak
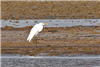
45, 24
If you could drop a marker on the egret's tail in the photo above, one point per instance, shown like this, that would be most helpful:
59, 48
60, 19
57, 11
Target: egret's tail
29, 38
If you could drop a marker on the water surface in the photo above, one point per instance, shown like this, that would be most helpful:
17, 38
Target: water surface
51, 22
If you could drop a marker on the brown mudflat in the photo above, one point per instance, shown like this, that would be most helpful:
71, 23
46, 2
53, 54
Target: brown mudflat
50, 9
52, 41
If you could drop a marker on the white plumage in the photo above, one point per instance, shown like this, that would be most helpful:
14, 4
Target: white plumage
35, 30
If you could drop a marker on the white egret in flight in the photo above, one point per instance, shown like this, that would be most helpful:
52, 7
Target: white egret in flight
35, 30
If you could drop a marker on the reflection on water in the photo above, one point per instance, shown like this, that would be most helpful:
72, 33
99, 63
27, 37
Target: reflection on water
69, 56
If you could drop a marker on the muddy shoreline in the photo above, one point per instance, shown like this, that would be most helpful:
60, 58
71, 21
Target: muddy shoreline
52, 41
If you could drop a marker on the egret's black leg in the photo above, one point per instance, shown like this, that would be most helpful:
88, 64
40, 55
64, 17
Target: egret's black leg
39, 39
36, 41
33, 44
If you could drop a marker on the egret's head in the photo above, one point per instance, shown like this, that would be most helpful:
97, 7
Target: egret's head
43, 23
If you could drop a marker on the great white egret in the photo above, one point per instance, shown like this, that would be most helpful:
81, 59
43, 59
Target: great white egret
35, 30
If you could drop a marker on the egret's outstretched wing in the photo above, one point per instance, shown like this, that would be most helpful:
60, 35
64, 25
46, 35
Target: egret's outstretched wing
34, 31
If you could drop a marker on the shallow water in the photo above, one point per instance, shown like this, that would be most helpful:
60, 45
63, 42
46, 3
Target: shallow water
51, 22
48, 61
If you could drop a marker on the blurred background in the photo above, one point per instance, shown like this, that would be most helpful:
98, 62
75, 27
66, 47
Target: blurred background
50, 10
